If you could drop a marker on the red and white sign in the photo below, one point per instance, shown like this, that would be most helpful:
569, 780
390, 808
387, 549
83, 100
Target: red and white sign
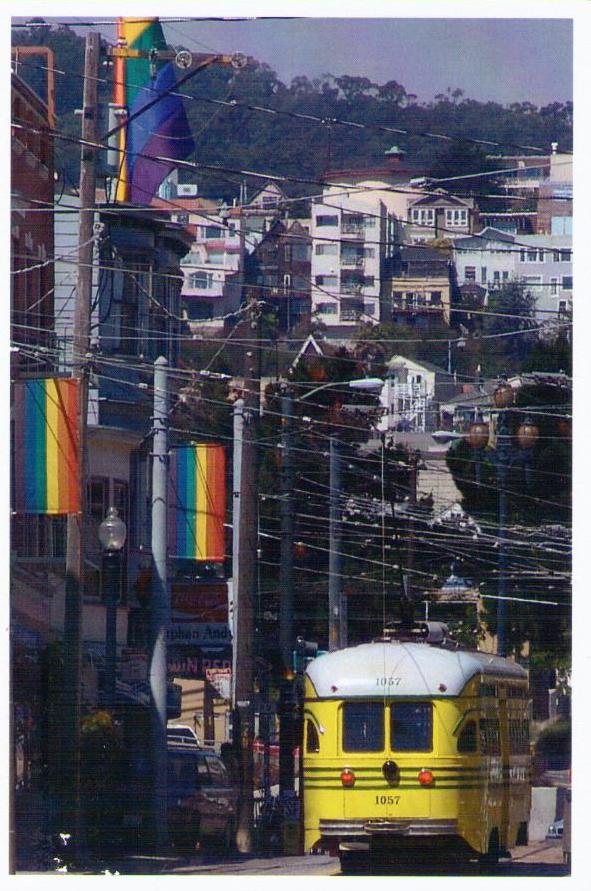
221, 680
201, 602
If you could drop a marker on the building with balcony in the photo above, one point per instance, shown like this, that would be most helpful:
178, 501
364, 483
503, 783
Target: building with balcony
420, 286
222, 237
278, 271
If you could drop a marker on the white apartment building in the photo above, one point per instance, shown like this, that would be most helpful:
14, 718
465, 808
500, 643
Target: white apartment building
356, 227
353, 234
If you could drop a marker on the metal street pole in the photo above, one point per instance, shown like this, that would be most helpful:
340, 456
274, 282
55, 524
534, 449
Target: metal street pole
112, 534
286, 717
159, 604
245, 581
337, 632
111, 582
74, 583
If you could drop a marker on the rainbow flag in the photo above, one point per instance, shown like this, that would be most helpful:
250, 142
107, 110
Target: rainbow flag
161, 130
46, 446
197, 502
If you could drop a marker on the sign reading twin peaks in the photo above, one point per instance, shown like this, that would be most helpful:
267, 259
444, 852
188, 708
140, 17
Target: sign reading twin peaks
46, 446
197, 502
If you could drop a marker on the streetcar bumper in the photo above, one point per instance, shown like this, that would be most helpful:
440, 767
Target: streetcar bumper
368, 828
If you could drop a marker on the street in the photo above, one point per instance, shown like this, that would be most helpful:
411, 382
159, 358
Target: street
539, 859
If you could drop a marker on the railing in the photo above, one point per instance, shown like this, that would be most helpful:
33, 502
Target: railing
355, 262
353, 229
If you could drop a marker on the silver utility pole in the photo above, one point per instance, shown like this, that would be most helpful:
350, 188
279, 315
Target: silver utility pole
160, 604
337, 617
74, 588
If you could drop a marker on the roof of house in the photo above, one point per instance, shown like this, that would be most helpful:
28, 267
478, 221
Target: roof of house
417, 253
442, 199
488, 234
397, 359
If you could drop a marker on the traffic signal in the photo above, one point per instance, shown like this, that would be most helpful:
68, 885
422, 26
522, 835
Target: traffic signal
305, 651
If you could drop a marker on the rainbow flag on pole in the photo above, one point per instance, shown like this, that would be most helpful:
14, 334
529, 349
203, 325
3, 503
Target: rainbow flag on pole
161, 130
46, 446
197, 502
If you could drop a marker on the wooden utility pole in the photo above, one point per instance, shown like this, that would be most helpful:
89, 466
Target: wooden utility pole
286, 638
70, 751
245, 580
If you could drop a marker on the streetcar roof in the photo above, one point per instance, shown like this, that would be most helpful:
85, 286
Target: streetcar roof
403, 669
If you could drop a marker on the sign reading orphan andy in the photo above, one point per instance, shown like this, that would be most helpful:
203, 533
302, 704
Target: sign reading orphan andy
208, 634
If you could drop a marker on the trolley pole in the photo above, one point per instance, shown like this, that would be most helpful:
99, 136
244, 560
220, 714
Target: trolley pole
337, 616
74, 584
160, 605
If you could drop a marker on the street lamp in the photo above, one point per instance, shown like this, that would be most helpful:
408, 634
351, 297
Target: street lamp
112, 533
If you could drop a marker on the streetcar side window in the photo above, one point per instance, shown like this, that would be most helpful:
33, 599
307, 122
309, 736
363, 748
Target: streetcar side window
468, 738
411, 727
363, 727
312, 738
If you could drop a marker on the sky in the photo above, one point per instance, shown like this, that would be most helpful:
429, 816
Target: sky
503, 60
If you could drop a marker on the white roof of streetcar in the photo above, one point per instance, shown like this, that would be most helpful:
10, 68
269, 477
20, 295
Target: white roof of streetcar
396, 668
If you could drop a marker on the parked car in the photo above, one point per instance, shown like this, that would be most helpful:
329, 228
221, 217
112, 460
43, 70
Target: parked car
181, 734
202, 802
555, 829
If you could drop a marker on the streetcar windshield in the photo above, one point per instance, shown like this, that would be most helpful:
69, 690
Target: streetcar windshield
363, 727
411, 727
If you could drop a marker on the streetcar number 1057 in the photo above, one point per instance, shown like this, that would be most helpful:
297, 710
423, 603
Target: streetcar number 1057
387, 799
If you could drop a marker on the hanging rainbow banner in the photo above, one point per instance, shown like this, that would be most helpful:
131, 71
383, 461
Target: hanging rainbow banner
46, 446
162, 129
197, 502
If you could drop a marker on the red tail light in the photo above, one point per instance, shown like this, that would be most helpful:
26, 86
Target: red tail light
425, 777
347, 777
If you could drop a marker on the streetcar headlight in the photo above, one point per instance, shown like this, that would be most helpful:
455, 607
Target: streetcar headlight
425, 777
347, 777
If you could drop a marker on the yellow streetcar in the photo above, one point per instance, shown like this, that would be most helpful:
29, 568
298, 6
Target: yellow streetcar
411, 743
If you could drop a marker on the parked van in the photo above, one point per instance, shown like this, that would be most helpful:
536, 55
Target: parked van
202, 802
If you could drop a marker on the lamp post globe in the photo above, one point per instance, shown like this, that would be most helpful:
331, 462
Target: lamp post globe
112, 531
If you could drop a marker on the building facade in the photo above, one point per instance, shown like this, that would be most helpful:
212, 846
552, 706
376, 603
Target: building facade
356, 227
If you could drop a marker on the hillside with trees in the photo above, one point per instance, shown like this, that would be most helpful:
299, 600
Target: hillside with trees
229, 130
